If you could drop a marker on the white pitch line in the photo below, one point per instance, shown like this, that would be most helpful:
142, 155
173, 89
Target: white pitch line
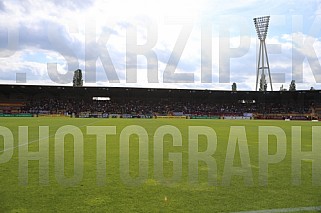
298, 209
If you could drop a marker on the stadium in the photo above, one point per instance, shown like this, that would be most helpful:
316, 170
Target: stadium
54, 160
105, 102
93, 148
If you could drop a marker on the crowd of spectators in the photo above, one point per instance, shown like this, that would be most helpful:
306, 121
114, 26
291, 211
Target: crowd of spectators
160, 107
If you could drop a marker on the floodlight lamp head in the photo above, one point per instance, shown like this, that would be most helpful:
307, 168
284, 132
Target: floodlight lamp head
262, 25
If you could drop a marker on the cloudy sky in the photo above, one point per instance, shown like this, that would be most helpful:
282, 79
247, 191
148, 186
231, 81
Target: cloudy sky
205, 44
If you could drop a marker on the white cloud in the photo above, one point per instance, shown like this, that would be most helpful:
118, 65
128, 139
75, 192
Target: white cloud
57, 31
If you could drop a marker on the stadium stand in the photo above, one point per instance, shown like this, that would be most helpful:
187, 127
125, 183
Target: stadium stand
142, 102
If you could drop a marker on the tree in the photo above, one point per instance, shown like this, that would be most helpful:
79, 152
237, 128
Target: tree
282, 88
263, 84
234, 87
77, 79
292, 86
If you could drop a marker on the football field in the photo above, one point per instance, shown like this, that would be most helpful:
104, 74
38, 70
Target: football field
159, 165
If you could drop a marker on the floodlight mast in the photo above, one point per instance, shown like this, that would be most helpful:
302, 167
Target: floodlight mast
262, 25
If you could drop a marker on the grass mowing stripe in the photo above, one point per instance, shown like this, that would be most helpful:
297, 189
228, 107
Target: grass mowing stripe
39, 139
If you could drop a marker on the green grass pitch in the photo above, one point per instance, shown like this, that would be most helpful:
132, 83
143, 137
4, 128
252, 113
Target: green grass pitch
153, 195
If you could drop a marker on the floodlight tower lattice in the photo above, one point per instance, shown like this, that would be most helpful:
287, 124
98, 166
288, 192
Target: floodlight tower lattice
262, 25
